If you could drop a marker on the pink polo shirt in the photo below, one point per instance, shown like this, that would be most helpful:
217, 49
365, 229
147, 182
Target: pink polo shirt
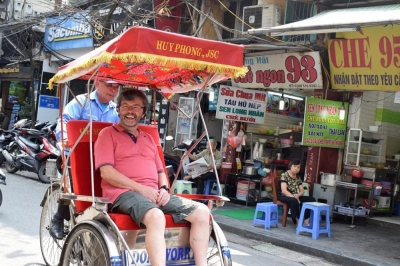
139, 161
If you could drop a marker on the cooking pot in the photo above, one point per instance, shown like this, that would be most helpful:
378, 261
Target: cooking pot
357, 173
329, 179
250, 170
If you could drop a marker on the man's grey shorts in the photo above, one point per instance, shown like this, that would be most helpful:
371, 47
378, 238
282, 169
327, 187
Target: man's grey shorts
135, 205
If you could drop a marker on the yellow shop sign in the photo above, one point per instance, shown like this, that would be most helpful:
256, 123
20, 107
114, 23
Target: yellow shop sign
9, 70
366, 60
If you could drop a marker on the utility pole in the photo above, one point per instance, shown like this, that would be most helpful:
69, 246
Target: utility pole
30, 44
57, 4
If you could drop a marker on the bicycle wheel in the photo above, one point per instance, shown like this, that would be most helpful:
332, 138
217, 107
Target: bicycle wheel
213, 257
51, 248
85, 246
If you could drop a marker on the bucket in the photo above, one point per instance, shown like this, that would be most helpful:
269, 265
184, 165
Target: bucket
377, 190
398, 208
329, 179
225, 170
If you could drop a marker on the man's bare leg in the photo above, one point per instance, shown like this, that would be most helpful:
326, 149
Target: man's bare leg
184, 237
200, 226
154, 220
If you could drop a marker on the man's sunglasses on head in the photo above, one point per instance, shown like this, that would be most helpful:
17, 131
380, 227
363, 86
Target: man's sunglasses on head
111, 85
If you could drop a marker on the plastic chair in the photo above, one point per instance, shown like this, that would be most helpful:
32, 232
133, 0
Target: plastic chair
209, 185
315, 228
275, 186
269, 216
182, 187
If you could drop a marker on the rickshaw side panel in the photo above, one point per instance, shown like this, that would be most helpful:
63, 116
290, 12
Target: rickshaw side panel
80, 160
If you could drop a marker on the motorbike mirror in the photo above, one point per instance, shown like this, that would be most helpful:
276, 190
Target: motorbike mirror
169, 138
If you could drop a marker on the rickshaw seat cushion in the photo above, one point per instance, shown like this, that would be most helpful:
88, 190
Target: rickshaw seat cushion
80, 160
125, 222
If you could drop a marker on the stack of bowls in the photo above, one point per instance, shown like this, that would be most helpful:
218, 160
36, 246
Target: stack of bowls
243, 189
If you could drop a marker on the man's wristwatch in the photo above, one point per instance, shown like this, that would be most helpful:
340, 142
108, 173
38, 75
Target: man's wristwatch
165, 187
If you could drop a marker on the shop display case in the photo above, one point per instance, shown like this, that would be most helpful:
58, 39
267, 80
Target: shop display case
363, 147
186, 127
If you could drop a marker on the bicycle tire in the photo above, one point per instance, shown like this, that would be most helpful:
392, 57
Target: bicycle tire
213, 257
51, 248
85, 246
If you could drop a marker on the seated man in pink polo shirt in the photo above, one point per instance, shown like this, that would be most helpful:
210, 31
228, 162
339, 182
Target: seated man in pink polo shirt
133, 179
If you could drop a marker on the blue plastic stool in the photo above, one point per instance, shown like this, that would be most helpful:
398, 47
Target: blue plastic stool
269, 214
209, 185
314, 228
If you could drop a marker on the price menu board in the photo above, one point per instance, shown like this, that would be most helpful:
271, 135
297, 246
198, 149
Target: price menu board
322, 126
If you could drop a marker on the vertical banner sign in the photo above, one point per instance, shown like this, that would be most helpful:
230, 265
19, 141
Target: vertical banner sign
311, 165
322, 126
169, 14
368, 59
241, 105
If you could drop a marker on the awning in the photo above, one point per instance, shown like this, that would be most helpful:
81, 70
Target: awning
339, 20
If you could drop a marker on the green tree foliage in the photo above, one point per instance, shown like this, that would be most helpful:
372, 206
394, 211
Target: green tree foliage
25, 111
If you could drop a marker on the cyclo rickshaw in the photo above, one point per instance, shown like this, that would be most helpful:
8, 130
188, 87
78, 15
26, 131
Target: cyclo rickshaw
141, 57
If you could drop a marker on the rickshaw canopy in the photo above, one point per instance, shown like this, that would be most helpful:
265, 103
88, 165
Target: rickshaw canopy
169, 62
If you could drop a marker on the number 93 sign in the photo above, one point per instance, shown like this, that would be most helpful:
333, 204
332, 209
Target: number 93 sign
288, 71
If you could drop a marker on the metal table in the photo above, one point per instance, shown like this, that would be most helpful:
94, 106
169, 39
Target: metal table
356, 188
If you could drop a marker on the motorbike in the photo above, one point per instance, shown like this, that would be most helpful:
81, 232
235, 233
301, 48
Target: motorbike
25, 123
2, 182
24, 154
7, 136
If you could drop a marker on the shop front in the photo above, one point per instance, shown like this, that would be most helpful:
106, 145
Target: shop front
16, 94
266, 122
365, 65
363, 57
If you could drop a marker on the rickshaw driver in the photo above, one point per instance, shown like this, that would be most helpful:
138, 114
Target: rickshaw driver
133, 179
103, 109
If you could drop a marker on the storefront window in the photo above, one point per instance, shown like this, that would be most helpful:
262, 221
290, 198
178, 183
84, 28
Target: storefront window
17, 92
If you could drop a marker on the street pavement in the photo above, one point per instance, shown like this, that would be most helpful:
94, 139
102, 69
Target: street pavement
374, 243
369, 243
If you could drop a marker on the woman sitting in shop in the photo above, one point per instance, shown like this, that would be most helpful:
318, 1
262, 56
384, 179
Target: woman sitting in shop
291, 191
